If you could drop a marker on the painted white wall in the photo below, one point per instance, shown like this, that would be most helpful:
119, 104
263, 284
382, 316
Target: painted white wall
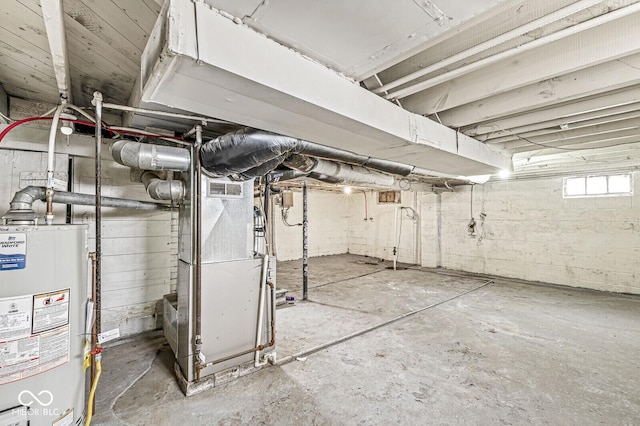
328, 226
374, 237
533, 233
139, 250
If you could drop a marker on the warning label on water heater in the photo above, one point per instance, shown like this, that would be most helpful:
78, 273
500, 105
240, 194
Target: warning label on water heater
34, 334
13, 251
50, 310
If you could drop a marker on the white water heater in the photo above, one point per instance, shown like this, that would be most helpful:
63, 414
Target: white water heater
43, 297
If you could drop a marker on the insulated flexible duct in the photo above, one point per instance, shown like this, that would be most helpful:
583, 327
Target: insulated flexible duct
248, 153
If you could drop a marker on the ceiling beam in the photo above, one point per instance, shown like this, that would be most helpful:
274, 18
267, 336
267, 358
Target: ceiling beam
621, 138
590, 118
603, 43
594, 81
567, 135
619, 135
54, 23
479, 48
587, 105
566, 125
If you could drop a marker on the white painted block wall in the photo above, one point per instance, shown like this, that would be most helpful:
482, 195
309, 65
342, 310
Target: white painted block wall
374, 237
533, 233
139, 250
328, 226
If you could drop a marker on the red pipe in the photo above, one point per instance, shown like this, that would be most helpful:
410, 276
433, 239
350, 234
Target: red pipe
85, 123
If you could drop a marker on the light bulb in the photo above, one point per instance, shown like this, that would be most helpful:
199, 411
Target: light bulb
66, 128
347, 190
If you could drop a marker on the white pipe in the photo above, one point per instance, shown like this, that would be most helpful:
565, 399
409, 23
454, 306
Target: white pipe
52, 144
82, 112
600, 20
51, 160
263, 289
509, 35
395, 237
204, 120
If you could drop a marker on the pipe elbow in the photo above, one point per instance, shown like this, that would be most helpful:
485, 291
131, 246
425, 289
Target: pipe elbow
24, 199
161, 189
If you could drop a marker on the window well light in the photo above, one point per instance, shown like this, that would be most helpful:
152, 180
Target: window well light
504, 173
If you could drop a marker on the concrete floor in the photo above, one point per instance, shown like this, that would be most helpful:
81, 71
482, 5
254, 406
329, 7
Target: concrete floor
508, 353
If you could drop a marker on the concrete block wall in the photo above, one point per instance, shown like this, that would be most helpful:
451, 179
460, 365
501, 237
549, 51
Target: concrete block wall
328, 226
374, 236
139, 250
531, 232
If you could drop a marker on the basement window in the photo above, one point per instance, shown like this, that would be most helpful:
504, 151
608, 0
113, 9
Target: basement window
598, 186
389, 197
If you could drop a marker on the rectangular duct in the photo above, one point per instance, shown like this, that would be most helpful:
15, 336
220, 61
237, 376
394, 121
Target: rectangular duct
198, 60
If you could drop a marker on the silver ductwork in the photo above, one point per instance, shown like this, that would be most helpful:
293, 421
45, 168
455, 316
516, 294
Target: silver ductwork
249, 153
150, 156
161, 189
346, 173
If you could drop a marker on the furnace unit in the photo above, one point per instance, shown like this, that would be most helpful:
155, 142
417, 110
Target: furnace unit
223, 327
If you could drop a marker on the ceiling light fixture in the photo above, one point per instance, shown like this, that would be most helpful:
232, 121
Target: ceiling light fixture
504, 174
67, 126
347, 190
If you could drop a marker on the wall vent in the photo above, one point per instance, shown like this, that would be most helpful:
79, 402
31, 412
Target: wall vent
224, 190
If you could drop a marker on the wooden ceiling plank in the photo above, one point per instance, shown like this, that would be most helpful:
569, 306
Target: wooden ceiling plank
24, 66
139, 12
114, 89
83, 42
19, 91
20, 46
88, 60
154, 6
24, 22
98, 17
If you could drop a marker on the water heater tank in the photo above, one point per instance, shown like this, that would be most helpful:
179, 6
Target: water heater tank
43, 298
